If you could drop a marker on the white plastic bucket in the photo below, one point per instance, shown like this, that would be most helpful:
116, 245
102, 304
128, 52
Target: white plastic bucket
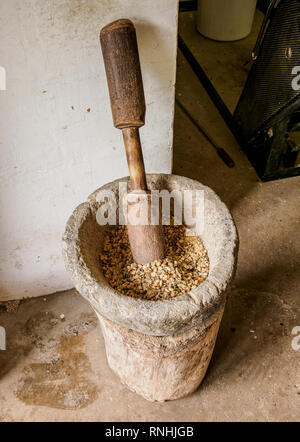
225, 20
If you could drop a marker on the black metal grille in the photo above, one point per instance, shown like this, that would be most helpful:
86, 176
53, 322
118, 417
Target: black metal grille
269, 85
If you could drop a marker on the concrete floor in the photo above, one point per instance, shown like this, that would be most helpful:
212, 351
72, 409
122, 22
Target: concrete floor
56, 370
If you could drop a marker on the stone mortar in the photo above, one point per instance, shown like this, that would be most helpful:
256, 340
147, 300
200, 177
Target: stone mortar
160, 349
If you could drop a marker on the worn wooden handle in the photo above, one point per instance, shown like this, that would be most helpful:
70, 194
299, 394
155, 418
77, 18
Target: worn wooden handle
124, 78
123, 71
135, 159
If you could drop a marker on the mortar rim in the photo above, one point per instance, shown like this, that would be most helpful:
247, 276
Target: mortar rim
158, 318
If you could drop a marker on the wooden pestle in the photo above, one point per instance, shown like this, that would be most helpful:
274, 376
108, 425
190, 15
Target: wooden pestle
124, 78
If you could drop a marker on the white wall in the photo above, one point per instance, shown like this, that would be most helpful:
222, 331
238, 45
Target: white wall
54, 152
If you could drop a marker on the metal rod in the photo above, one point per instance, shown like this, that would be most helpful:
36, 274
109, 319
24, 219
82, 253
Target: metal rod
259, 39
210, 89
225, 157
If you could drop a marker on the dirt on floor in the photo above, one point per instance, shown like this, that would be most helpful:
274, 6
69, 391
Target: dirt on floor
54, 367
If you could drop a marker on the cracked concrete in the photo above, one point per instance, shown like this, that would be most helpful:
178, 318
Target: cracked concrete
55, 370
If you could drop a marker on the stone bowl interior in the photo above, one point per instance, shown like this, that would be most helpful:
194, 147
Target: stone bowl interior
83, 242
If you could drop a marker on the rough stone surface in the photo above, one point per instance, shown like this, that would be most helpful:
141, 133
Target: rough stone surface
83, 241
160, 349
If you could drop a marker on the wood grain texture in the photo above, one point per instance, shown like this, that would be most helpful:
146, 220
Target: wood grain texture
135, 158
125, 84
123, 71
146, 241
160, 368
